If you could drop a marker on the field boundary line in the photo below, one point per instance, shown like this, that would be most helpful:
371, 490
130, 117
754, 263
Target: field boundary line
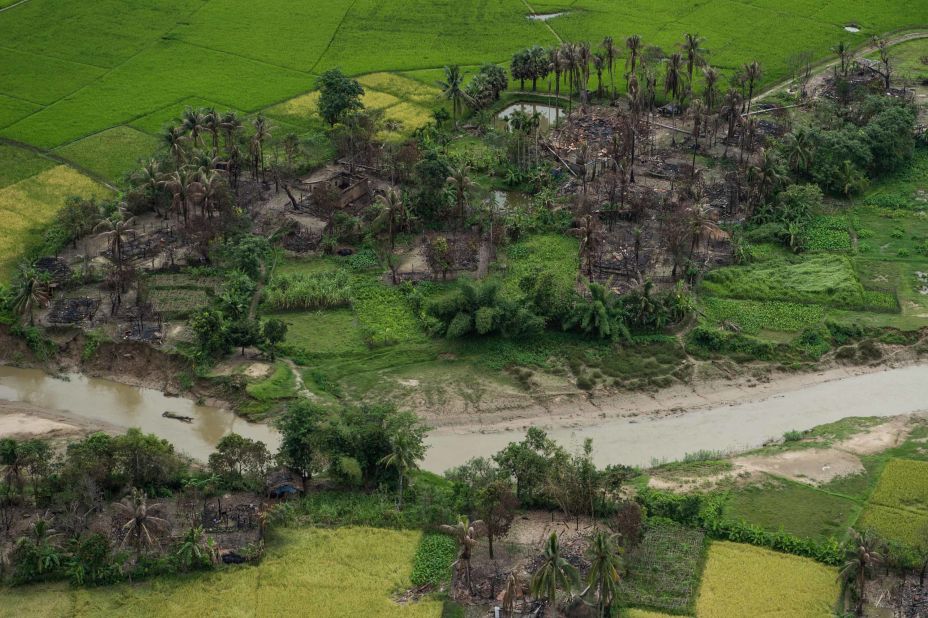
328, 45
13, 6
543, 21
55, 58
62, 161
242, 56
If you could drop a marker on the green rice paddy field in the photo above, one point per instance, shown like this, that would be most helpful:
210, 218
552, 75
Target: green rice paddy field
69, 70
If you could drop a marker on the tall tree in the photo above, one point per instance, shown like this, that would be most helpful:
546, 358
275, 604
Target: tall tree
863, 556
338, 95
141, 525
603, 576
31, 291
461, 184
692, 47
406, 451
117, 230
392, 212
555, 573
752, 73
466, 533
633, 44
452, 87
610, 53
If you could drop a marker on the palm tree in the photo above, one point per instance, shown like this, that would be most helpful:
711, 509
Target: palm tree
610, 52
557, 67
32, 290
752, 73
141, 526
461, 184
553, 574
466, 533
118, 230
195, 548
731, 103
849, 179
262, 133
510, 593
599, 63
230, 125
569, 59
694, 52
452, 87
697, 113
178, 183
404, 453
392, 210
605, 565
597, 315
862, 557
843, 51
710, 78
633, 44
194, 123
173, 137
213, 125
673, 83
799, 150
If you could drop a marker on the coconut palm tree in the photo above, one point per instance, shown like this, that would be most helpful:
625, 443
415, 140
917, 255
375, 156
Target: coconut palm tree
178, 183
862, 556
569, 59
392, 211
230, 124
452, 88
752, 73
605, 564
193, 122
599, 64
697, 112
460, 183
673, 84
710, 77
799, 149
173, 137
843, 51
554, 573
610, 53
261, 135
633, 44
731, 103
118, 230
465, 533
141, 526
212, 123
691, 46
32, 290
405, 452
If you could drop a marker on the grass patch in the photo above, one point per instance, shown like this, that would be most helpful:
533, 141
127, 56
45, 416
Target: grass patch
664, 569
342, 573
26, 208
384, 314
822, 279
743, 580
554, 252
114, 153
754, 316
281, 384
324, 332
792, 507
18, 164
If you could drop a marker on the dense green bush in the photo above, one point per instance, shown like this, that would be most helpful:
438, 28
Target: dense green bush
434, 556
706, 511
298, 291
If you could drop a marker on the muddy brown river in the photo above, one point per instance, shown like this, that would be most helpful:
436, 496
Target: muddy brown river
125, 406
631, 441
726, 428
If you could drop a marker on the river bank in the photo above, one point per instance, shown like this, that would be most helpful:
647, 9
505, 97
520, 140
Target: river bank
640, 429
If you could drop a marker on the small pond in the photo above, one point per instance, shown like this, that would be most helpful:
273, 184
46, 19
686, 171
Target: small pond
508, 200
123, 406
549, 113
545, 16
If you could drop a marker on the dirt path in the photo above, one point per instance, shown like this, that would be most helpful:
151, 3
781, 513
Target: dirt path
821, 68
13, 6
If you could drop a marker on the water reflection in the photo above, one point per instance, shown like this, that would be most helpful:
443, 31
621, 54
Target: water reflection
549, 114
128, 406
